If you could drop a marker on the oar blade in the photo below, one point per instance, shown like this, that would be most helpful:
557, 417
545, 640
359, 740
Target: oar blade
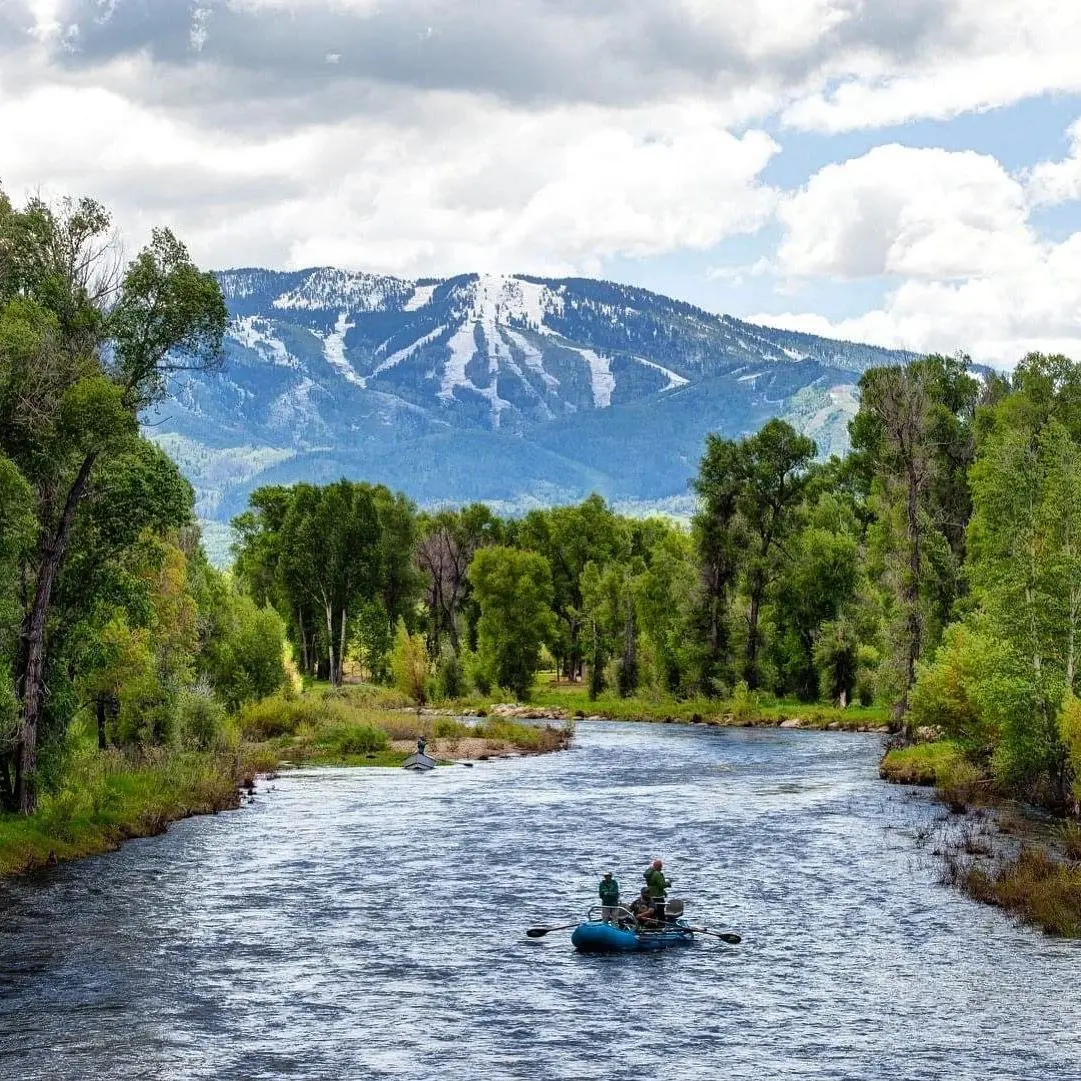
731, 939
538, 932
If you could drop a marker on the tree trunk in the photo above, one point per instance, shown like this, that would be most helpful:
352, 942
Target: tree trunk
305, 659
330, 645
914, 621
341, 652
32, 681
750, 668
100, 710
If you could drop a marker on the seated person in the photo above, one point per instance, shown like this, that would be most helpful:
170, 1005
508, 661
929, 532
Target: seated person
642, 907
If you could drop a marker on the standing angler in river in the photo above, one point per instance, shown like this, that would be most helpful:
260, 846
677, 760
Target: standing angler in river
609, 893
657, 885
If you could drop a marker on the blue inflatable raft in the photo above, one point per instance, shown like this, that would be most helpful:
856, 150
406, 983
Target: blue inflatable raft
596, 936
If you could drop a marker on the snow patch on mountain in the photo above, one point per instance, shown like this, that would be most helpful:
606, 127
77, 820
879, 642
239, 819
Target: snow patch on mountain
334, 351
421, 298
600, 377
404, 354
257, 334
675, 381
327, 289
532, 357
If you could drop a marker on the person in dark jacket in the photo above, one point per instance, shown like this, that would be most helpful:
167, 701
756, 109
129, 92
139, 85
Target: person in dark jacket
657, 885
609, 893
642, 907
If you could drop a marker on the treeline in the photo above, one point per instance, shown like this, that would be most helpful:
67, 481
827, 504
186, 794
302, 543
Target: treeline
114, 629
935, 570
768, 588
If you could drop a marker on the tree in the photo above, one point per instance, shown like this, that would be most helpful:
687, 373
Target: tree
774, 468
718, 540
83, 347
409, 664
915, 437
569, 538
514, 591
448, 542
333, 548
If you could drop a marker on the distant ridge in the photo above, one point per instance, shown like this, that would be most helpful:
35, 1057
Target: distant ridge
511, 388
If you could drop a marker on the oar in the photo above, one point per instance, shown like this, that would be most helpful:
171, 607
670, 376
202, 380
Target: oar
725, 936
540, 932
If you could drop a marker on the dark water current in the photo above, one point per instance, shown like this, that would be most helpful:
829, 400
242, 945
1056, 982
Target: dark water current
368, 924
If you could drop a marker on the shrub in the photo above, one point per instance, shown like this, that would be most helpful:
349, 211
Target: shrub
201, 718
477, 673
1070, 834
409, 664
356, 739
1069, 726
961, 785
449, 677
1034, 887
450, 728
278, 716
744, 704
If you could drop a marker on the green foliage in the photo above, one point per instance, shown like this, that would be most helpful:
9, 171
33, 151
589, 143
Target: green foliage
243, 657
84, 345
514, 592
836, 655
449, 674
279, 716
951, 692
202, 719
347, 740
1069, 726
410, 665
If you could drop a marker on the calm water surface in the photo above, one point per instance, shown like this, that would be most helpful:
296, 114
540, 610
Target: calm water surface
369, 924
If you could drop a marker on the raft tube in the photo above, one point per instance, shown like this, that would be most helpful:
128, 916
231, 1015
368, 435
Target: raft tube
599, 937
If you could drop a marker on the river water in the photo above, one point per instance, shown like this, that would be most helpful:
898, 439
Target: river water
369, 924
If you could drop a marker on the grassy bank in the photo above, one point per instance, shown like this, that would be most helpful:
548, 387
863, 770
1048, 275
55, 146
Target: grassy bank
572, 700
110, 797
361, 725
1000, 854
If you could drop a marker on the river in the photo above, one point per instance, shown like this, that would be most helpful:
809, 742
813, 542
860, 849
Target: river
369, 924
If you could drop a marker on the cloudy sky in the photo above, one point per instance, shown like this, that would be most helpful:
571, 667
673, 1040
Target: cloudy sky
906, 172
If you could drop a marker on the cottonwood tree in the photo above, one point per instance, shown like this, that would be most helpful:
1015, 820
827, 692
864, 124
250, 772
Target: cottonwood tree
514, 591
447, 544
569, 538
774, 467
84, 345
718, 539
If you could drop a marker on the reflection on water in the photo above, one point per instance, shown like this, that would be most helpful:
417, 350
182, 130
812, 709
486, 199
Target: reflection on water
369, 924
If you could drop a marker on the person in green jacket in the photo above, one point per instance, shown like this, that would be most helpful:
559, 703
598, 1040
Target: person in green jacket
657, 885
609, 892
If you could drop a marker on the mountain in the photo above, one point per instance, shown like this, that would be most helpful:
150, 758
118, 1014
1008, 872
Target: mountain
514, 389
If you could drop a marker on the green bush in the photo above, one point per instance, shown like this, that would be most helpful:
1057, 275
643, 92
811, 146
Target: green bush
449, 677
201, 718
409, 663
450, 728
744, 704
949, 692
356, 739
279, 716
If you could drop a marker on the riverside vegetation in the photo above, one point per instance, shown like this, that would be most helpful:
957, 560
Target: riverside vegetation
932, 578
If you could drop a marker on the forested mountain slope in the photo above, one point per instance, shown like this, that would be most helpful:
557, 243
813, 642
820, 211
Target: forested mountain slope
513, 389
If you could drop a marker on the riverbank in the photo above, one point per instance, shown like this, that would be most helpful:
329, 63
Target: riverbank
993, 849
560, 700
110, 797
